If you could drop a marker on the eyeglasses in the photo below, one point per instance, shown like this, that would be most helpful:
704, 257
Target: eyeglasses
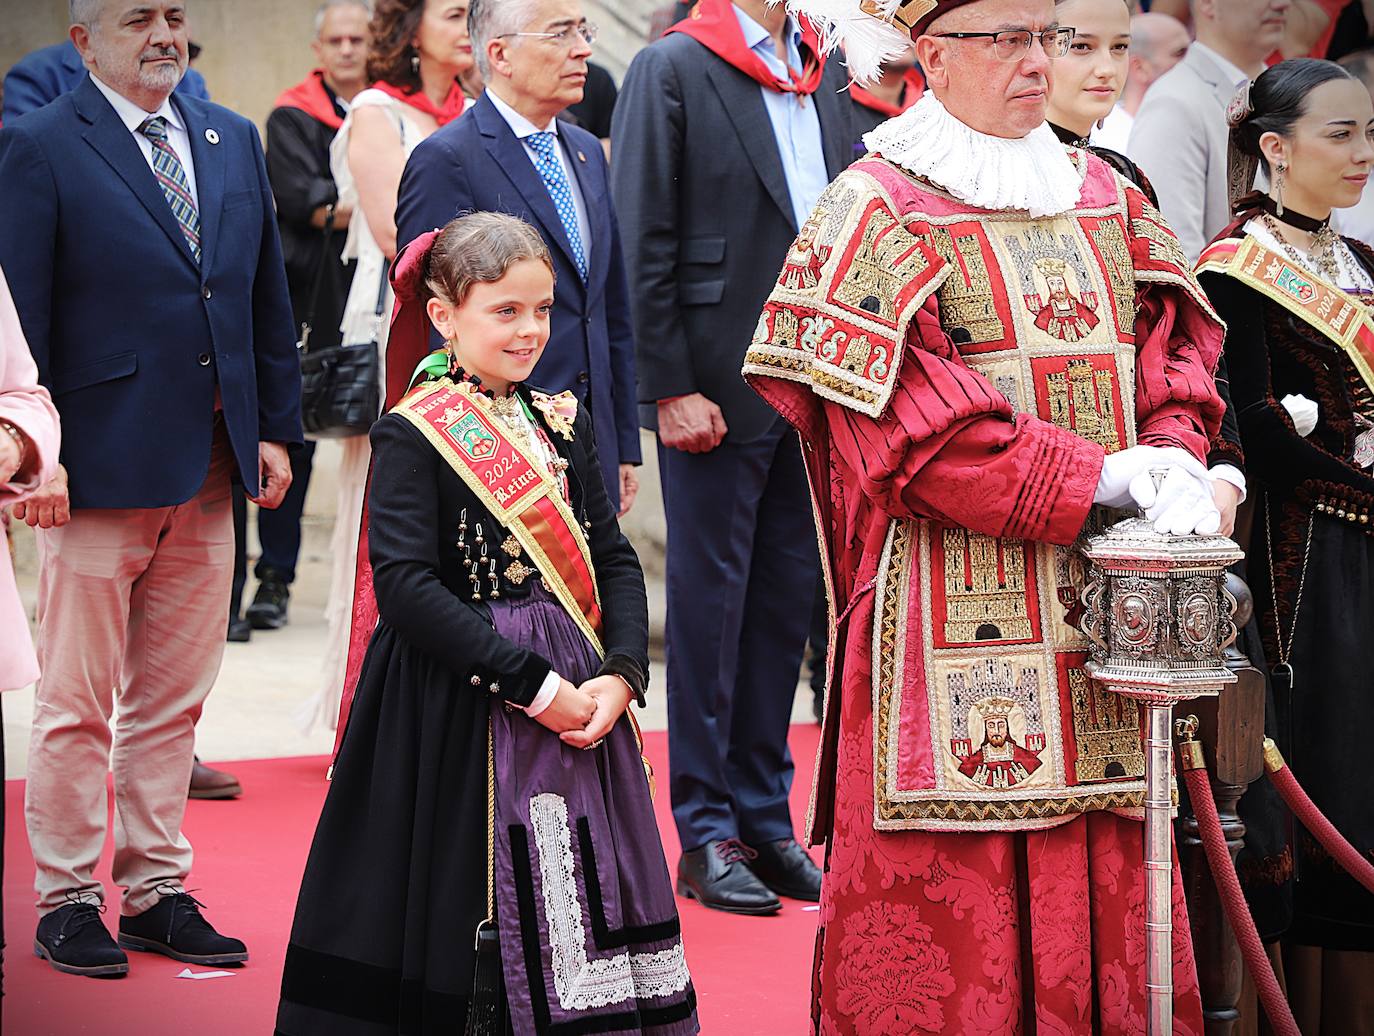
1012, 44
561, 38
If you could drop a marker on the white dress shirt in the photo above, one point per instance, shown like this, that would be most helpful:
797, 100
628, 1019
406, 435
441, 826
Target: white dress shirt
522, 128
133, 117
796, 126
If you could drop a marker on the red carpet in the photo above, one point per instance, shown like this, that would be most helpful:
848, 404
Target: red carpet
752, 975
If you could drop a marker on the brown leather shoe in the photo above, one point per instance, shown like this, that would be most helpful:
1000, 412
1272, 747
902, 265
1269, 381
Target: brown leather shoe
213, 784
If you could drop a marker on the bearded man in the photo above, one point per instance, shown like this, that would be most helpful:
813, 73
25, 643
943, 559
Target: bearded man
140, 240
956, 447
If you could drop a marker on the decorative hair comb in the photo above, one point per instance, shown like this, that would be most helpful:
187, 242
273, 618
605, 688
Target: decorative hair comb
1240, 107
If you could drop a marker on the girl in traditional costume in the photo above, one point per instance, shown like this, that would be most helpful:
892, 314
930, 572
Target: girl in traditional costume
1300, 348
489, 789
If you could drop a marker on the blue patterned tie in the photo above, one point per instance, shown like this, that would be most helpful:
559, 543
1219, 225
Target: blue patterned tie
551, 172
171, 177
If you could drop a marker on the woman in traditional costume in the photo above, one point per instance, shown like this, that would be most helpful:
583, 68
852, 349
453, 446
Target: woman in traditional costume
1300, 348
489, 789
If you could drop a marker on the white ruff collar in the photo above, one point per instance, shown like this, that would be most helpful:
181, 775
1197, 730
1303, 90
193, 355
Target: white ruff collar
1032, 174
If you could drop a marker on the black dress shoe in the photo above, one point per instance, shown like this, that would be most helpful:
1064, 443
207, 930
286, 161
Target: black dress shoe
268, 610
787, 869
717, 876
175, 928
74, 939
240, 630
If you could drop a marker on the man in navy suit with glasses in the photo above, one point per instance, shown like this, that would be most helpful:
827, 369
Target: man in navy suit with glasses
511, 153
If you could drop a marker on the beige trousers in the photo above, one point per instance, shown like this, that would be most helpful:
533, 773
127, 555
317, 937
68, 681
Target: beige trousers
132, 609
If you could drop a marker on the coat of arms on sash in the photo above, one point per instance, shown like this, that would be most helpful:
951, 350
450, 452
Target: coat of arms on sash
469, 436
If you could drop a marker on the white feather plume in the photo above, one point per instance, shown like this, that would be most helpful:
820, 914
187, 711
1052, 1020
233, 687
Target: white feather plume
867, 41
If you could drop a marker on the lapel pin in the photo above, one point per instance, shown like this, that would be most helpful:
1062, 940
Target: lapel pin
581, 157
212, 136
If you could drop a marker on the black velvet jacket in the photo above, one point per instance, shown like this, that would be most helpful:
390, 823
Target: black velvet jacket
1272, 353
425, 590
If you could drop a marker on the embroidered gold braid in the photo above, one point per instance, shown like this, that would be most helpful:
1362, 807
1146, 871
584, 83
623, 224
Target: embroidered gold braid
968, 305
1107, 728
1116, 257
884, 264
984, 603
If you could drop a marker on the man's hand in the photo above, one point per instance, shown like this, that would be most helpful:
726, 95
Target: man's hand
274, 475
50, 507
572, 709
612, 697
1227, 499
629, 489
691, 423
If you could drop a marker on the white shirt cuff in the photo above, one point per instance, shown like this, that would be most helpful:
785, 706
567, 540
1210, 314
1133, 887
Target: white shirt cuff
547, 691
1232, 474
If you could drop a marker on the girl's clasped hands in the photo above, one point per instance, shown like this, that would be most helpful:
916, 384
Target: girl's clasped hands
582, 716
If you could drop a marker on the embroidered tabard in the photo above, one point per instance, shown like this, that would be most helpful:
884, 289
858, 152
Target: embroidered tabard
983, 715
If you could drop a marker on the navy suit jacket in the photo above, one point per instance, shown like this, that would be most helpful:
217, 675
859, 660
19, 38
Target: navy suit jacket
131, 336
476, 164
699, 184
42, 76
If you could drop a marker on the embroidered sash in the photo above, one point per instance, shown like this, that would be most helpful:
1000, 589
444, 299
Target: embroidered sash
517, 491
1328, 309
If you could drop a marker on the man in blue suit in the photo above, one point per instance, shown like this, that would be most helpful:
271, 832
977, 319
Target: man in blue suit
512, 154
140, 241
42, 76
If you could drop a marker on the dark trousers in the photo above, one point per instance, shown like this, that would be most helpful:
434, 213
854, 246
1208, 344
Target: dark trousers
279, 531
741, 572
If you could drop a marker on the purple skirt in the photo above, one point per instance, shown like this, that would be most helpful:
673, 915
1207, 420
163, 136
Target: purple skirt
590, 937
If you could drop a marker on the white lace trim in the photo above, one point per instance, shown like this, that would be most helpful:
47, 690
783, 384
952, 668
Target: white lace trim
579, 982
1031, 174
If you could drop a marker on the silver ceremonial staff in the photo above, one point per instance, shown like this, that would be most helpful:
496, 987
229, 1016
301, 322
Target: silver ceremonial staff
1159, 617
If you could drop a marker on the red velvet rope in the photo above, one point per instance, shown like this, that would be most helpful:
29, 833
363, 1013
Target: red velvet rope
1233, 902
1322, 829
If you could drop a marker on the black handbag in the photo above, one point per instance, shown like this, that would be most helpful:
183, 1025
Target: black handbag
341, 388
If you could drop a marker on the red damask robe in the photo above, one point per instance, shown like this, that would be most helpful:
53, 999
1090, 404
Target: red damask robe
954, 443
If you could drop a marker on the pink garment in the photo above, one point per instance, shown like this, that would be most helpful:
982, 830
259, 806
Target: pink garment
27, 406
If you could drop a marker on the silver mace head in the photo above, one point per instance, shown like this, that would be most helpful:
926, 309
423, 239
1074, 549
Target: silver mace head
1158, 612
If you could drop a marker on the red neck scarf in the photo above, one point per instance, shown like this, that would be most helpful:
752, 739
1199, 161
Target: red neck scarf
312, 98
713, 24
442, 114
913, 86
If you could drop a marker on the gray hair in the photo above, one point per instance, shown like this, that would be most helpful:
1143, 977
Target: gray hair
84, 12
488, 19
323, 10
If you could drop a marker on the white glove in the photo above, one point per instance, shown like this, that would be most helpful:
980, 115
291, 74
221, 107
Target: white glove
1183, 503
1117, 485
1303, 412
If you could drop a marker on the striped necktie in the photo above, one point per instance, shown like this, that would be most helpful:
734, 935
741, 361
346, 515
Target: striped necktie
171, 177
551, 172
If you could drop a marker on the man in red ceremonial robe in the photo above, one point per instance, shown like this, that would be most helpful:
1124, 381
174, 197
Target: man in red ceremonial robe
979, 796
